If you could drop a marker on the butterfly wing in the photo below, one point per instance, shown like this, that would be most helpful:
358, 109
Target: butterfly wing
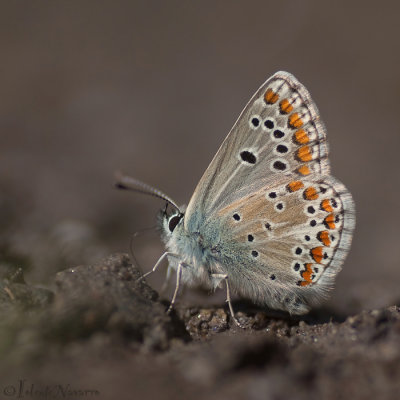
279, 133
282, 224
288, 240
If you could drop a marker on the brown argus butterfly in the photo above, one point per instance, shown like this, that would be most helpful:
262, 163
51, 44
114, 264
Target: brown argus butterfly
267, 217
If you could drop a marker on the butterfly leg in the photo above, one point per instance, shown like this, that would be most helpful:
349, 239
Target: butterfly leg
178, 281
224, 277
167, 253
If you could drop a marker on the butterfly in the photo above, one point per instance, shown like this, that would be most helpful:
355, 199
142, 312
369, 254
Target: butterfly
267, 217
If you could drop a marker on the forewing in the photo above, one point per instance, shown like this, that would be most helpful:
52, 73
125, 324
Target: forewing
279, 133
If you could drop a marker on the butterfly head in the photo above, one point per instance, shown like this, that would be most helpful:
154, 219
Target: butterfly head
170, 222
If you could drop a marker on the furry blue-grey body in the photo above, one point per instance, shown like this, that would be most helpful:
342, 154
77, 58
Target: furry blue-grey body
198, 248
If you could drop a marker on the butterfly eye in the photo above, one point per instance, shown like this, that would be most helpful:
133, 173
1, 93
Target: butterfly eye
173, 222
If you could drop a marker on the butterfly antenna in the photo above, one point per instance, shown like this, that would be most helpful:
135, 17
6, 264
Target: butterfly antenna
127, 183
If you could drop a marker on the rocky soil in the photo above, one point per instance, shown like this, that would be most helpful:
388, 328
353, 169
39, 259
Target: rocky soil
101, 333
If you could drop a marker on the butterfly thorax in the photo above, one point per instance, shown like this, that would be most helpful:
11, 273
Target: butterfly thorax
196, 250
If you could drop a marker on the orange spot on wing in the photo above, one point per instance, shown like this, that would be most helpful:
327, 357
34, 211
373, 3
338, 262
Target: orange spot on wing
295, 121
330, 221
301, 137
324, 238
317, 254
310, 193
306, 275
304, 170
326, 205
285, 106
270, 96
295, 185
304, 153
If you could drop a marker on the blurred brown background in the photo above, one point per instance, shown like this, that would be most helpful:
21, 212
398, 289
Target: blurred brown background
153, 87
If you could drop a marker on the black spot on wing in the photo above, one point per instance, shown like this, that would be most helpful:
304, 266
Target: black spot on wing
248, 157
